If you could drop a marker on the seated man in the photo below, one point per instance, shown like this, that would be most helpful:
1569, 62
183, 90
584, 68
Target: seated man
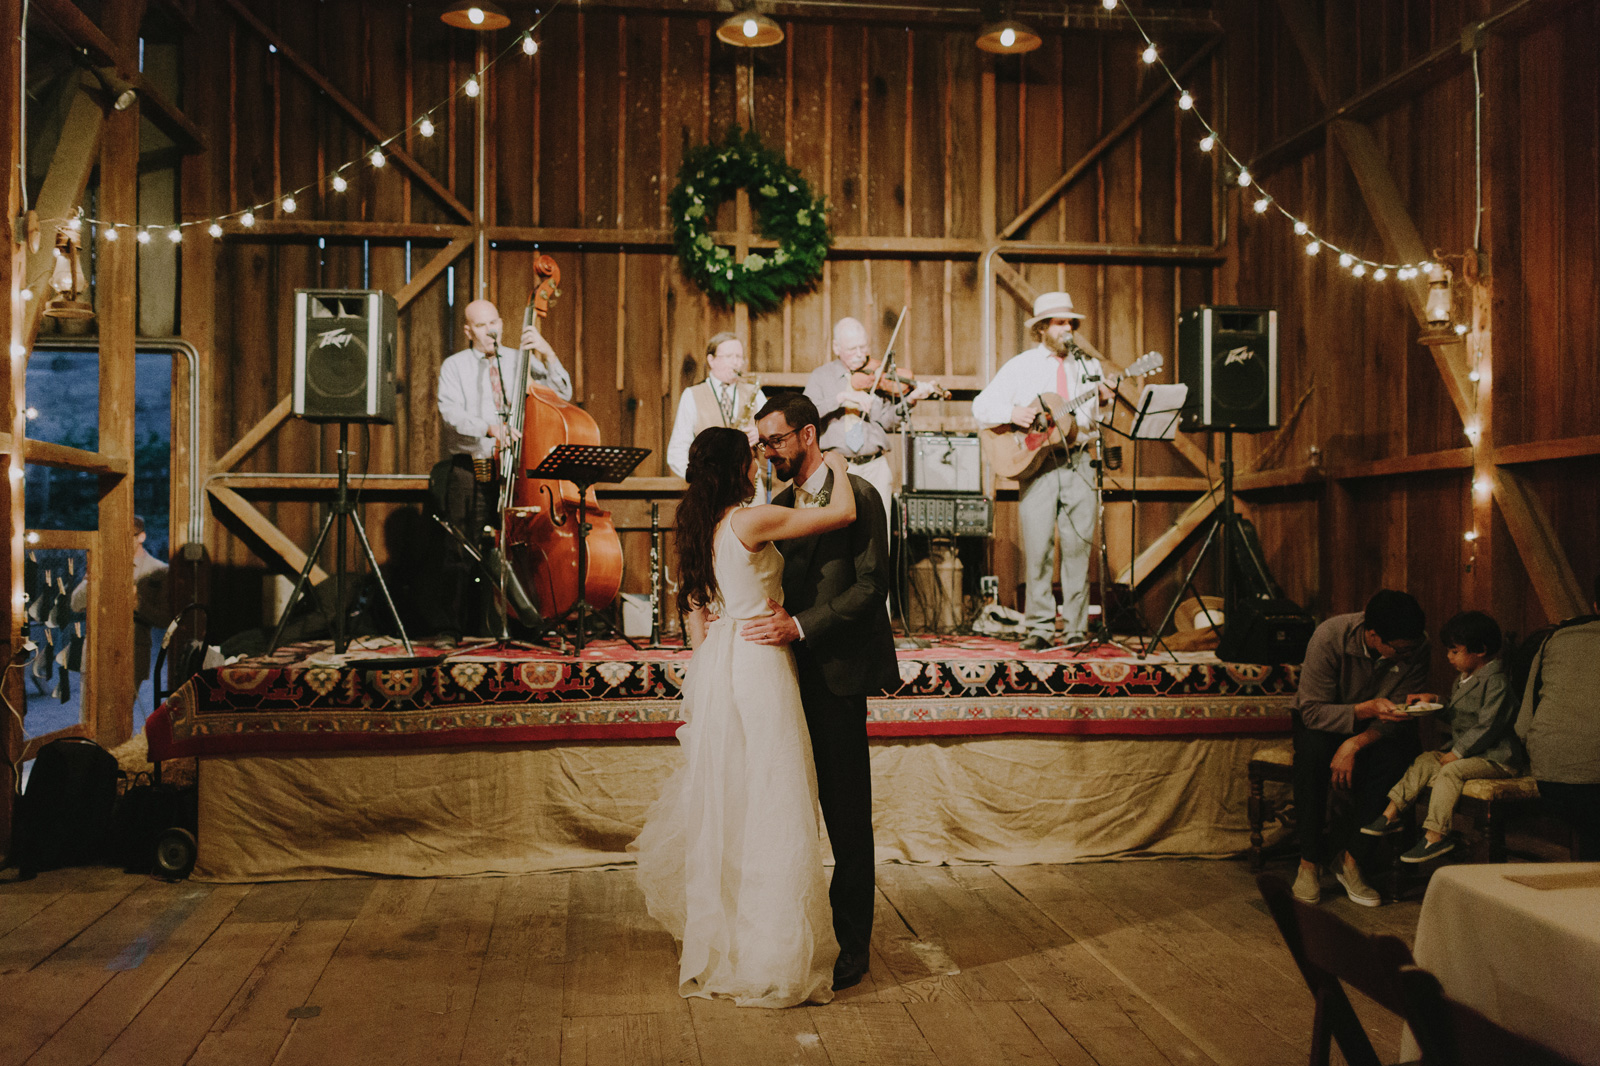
1357, 666
1560, 723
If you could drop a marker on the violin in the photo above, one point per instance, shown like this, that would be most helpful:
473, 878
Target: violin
542, 531
888, 383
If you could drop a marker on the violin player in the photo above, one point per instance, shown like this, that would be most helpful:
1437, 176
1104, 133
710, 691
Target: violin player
477, 387
854, 422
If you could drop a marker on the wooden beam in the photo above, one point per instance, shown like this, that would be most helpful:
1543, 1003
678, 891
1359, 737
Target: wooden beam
77, 154
1541, 451
77, 30
1553, 579
13, 425
274, 538
396, 232
431, 270
258, 433
319, 485
1170, 541
45, 453
400, 156
1122, 129
1423, 463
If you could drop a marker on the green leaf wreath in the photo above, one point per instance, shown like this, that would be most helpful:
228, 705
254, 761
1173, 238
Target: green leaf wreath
785, 211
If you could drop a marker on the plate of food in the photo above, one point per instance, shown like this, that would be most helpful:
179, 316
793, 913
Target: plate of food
1422, 708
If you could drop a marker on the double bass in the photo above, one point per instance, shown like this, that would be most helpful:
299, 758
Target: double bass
539, 515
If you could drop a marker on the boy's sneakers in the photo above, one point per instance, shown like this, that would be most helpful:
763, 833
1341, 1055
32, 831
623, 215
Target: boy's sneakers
1358, 890
1307, 886
1426, 852
1381, 827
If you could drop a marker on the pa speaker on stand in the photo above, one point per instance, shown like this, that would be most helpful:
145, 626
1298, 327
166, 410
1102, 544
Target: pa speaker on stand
344, 355
1228, 356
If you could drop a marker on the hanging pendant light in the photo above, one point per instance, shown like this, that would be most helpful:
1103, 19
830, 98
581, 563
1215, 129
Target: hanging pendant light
67, 281
475, 15
749, 29
1008, 37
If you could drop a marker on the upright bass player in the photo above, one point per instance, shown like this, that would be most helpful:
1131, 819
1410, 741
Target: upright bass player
477, 387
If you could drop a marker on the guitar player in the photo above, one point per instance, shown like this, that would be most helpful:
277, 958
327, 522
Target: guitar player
1059, 496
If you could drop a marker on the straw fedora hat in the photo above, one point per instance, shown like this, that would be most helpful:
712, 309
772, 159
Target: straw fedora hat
1052, 305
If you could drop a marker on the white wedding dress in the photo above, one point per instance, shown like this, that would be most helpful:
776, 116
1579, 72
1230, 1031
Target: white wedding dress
730, 859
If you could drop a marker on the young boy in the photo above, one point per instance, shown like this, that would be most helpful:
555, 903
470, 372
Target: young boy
1481, 713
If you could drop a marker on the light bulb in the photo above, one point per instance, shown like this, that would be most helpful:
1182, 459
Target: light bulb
471, 87
1474, 376
16, 473
26, 294
1314, 247
110, 233
1483, 485
1149, 53
1261, 205
144, 236
475, 15
425, 127
1008, 36
1470, 535
1425, 267
214, 229
75, 224
30, 413
1245, 179
1185, 102
1461, 329
18, 350
1109, 5
1346, 259
339, 184
174, 234
1379, 274
247, 219
751, 29
289, 205
1471, 432
377, 157
529, 45
32, 536
1207, 143
1300, 227
1359, 270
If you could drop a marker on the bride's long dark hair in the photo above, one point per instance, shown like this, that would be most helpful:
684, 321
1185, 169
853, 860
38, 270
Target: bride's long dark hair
719, 478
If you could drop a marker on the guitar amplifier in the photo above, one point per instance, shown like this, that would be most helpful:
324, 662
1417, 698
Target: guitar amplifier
944, 462
928, 515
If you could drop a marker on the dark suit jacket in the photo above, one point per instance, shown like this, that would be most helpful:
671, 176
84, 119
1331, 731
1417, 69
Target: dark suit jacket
836, 586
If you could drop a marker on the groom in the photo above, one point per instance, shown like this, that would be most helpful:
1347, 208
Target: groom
836, 586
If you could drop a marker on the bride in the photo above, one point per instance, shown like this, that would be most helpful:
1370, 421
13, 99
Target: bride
730, 859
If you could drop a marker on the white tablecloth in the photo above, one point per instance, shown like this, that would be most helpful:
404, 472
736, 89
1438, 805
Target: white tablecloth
1520, 944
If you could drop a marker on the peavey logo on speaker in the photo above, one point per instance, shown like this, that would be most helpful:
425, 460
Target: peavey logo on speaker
1242, 354
340, 337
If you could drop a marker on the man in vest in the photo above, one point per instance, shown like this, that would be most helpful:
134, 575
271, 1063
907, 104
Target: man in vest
720, 400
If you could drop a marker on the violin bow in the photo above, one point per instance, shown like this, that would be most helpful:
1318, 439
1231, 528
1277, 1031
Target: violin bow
888, 353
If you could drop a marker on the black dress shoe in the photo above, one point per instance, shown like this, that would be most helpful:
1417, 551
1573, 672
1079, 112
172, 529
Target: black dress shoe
849, 970
446, 641
1035, 644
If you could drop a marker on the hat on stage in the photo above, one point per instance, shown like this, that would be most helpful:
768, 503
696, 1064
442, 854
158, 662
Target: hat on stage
1053, 305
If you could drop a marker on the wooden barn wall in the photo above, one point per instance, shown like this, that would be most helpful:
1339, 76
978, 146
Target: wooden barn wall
1376, 392
587, 136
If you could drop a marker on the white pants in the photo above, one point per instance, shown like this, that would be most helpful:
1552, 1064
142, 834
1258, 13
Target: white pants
1059, 500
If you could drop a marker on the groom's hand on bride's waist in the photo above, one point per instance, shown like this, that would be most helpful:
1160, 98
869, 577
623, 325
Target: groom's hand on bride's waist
778, 628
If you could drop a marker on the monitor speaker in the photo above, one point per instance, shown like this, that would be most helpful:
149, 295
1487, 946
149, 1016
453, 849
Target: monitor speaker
344, 355
1228, 356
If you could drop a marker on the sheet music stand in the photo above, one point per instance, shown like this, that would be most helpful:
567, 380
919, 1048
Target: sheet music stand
586, 465
1156, 418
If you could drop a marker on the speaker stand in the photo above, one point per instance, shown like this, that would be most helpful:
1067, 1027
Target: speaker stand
342, 512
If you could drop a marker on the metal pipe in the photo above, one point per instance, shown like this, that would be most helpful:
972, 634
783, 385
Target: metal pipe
986, 280
480, 215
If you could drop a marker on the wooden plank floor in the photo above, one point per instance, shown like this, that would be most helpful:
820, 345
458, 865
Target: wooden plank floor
1109, 963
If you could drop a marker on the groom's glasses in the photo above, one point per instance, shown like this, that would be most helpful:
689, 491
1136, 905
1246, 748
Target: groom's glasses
771, 443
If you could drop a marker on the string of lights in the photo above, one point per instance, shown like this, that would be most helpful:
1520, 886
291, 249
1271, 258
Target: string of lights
373, 158
1316, 243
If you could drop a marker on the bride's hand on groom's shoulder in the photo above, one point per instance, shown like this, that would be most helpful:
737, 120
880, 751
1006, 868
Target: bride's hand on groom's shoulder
777, 629
835, 461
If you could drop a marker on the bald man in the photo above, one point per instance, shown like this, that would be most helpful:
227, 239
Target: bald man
477, 387
853, 422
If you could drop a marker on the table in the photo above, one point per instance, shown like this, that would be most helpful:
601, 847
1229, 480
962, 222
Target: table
1520, 944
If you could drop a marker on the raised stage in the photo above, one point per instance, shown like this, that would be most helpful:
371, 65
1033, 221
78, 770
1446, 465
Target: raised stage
514, 759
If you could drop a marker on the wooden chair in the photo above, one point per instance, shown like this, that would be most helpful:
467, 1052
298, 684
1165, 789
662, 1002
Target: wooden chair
1269, 764
1331, 953
1451, 1034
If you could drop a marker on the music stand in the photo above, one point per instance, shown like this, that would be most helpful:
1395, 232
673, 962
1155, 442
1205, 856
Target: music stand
586, 465
1156, 418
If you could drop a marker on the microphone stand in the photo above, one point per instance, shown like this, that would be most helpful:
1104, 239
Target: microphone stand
1099, 635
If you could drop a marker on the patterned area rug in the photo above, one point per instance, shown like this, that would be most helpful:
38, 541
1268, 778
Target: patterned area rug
306, 698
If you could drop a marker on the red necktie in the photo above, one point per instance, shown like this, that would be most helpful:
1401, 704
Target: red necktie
1062, 388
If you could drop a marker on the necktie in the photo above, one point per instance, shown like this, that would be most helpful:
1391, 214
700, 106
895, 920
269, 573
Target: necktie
493, 362
1063, 389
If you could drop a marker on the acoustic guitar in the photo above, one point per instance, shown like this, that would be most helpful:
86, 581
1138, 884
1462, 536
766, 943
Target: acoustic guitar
1017, 453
